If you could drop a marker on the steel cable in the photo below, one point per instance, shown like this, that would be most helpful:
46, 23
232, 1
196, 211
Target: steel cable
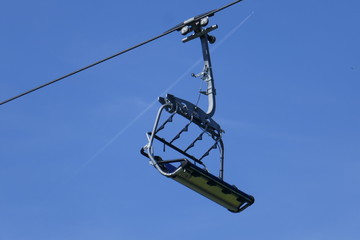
176, 28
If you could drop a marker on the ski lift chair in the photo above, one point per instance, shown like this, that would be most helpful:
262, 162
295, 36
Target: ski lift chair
185, 169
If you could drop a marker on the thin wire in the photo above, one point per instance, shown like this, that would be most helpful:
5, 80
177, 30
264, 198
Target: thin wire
200, 90
85, 68
178, 27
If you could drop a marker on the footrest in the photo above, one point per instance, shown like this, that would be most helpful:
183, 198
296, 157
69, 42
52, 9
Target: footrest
210, 186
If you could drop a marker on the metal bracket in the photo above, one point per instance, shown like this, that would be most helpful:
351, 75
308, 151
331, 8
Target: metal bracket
199, 34
193, 113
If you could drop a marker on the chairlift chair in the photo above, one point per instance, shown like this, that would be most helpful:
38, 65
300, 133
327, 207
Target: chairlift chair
186, 169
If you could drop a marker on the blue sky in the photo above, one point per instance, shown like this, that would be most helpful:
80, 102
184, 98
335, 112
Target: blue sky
287, 75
